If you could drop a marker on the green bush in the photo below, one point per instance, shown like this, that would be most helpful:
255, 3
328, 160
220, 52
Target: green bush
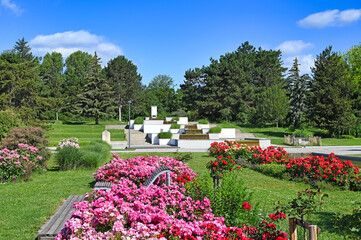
226, 200
349, 224
87, 157
165, 135
139, 120
175, 126
175, 119
33, 136
215, 130
8, 120
300, 133
274, 170
203, 121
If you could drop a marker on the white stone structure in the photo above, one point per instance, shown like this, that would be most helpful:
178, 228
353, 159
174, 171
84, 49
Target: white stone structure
153, 127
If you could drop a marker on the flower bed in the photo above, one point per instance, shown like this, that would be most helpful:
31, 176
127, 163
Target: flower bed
19, 162
311, 168
132, 211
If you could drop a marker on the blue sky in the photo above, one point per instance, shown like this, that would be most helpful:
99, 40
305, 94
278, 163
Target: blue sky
169, 37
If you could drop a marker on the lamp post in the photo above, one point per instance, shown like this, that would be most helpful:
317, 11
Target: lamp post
129, 102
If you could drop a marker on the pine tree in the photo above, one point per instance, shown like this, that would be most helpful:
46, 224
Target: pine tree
330, 94
95, 100
23, 50
296, 87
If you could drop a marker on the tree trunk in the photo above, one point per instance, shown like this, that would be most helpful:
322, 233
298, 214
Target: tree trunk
120, 112
56, 116
276, 124
96, 119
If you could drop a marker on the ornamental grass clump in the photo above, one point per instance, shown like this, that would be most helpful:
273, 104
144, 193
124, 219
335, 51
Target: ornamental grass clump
19, 163
70, 156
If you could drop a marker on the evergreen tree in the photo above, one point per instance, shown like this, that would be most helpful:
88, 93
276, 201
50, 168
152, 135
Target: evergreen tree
51, 73
95, 100
296, 87
330, 104
125, 81
77, 67
20, 86
23, 50
353, 58
272, 105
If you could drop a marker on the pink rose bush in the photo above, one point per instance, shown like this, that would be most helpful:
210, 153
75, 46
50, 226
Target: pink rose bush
19, 162
132, 211
138, 170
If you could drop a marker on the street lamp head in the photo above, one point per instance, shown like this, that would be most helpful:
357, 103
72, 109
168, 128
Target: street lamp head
129, 102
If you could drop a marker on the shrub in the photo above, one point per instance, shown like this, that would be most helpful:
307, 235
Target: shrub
32, 136
274, 170
175, 119
175, 126
139, 120
349, 224
300, 133
165, 135
73, 142
20, 162
88, 157
203, 121
8, 120
215, 130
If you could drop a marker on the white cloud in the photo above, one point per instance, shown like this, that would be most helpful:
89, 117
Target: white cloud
12, 6
69, 42
294, 47
305, 61
330, 18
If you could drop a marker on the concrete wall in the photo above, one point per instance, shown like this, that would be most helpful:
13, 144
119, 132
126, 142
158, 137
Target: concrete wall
263, 142
228, 133
156, 128
203, 144
183, 120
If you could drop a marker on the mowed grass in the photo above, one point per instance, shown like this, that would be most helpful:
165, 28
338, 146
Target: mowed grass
85, 132
26, 206
276, 134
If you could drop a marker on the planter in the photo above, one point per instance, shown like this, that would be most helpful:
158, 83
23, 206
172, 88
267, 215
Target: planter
174, 130
213, 136
138, 127
164, 141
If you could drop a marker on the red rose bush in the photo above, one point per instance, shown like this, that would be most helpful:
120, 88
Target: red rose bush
314, 168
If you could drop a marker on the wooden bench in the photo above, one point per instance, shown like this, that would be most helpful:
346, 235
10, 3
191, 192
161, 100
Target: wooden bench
56, 222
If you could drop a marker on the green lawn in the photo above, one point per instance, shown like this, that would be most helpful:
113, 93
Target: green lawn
85, 132
276, 134
27, 205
